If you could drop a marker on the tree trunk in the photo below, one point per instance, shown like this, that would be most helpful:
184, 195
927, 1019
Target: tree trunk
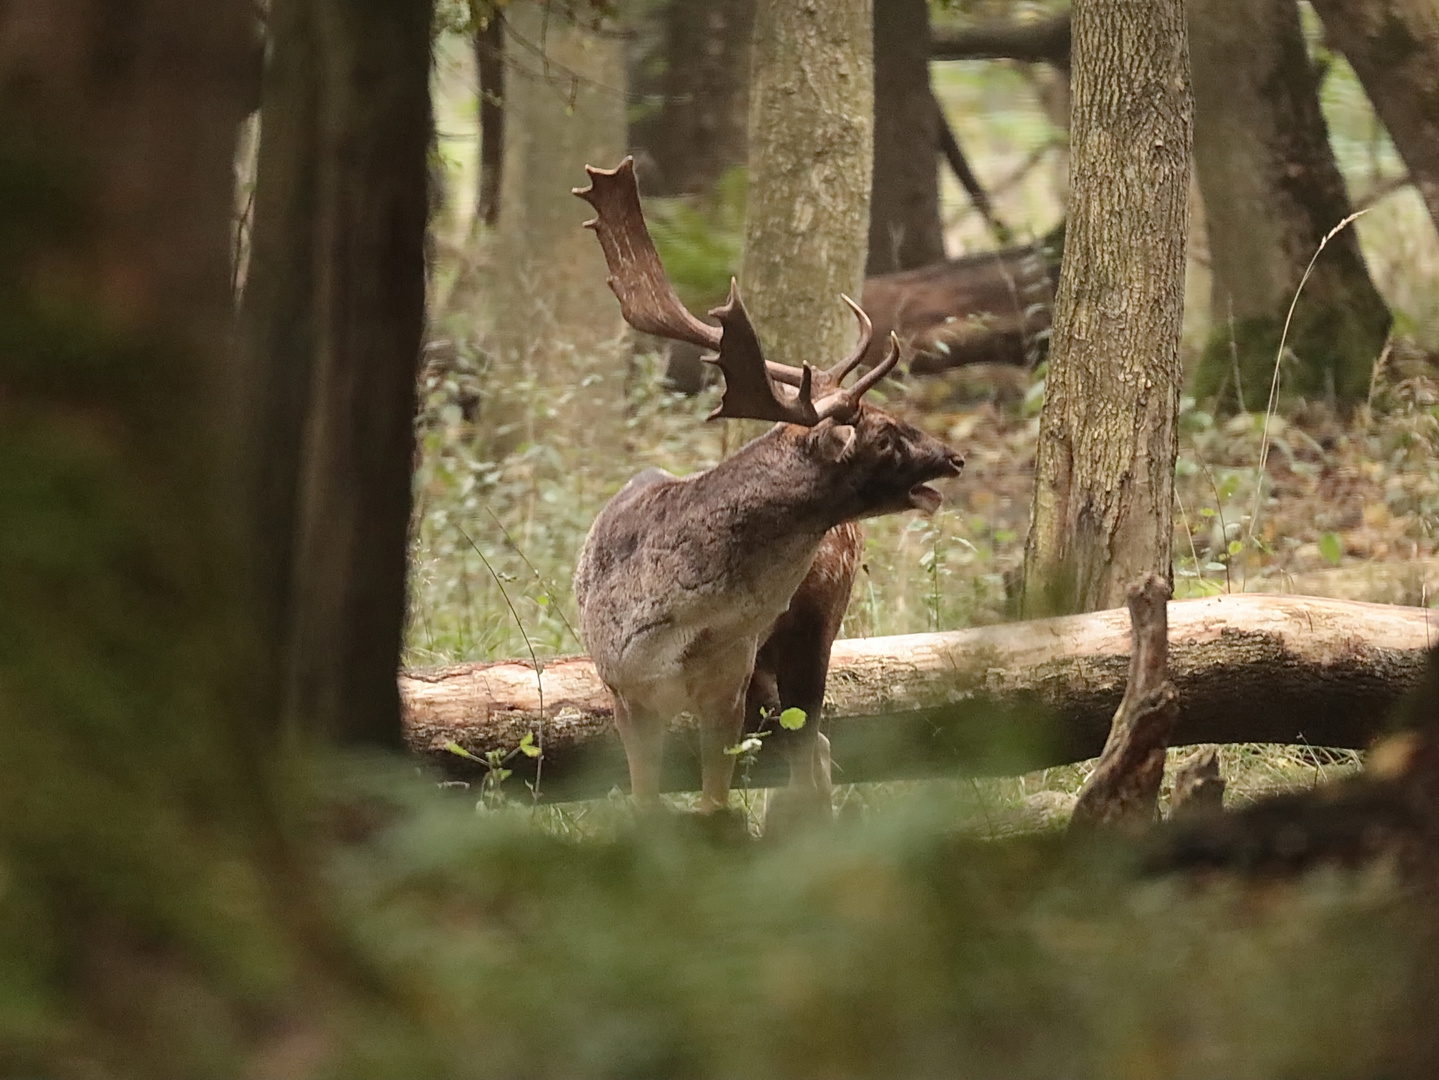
353, 524
564, 110
490, 75
1104, 472
277, 333
1393, 46
811, 151
904, 228
694, 85
998, 699
136, 827
1272, 190
330, 334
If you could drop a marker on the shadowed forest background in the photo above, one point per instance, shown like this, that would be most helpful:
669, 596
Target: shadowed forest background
310, 378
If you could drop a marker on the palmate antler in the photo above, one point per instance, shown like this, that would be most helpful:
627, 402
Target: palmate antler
649, 303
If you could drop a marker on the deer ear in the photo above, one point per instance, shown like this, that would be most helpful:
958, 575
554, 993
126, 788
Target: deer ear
835, 442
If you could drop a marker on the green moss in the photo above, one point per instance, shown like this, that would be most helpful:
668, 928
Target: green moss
1330, 350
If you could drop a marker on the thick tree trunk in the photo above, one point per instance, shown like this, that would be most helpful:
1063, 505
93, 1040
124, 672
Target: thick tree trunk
694, 87
811, 151
134, 816
1272, 190
348, 604
999, 699
904, 228
1104, 474
1393, 46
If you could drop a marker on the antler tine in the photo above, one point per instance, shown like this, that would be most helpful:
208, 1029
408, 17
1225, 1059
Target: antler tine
837, 373
749, 393
831, 378
842, 402
637, 277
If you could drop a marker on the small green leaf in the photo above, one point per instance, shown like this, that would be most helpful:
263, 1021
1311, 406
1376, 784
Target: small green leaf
458, 750
528, 747
1236, 546
501, 774
1207, 511
1331, 547
792, 719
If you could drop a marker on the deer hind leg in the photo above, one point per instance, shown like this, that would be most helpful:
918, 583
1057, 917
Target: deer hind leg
643, 736
798, 655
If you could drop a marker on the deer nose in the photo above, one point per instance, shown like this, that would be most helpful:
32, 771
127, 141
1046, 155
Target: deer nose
955, 460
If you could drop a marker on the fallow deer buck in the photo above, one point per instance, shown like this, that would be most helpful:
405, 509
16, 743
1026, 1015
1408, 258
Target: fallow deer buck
724, 590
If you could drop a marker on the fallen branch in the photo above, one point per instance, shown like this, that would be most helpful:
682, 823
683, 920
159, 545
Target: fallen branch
1043, 41
1123, 790
992, 700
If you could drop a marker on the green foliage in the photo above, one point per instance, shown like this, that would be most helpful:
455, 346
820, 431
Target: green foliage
700, 241
792, 719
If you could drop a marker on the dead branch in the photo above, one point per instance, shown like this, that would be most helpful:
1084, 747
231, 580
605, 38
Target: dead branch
1122, 791
1043, 41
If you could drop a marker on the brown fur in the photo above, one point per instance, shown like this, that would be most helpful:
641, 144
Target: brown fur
680, 580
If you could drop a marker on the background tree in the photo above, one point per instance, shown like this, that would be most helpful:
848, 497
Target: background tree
811, 150
690, 74
1393, 46
331, 330
1104, 474
1272, 190
904, 227
564, 108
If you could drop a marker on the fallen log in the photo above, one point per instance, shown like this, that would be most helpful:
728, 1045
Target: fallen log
991, 700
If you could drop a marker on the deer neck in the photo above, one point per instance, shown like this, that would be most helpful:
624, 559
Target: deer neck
774, 481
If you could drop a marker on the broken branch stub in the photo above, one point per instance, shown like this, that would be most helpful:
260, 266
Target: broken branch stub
1123, 790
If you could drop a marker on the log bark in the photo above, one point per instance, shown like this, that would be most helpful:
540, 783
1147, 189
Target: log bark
1123, 791
990, 700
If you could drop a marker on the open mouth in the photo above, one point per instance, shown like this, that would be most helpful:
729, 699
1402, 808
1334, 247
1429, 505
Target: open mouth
925, 498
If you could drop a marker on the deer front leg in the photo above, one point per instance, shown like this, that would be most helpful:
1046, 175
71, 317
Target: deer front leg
720, 729
643, 736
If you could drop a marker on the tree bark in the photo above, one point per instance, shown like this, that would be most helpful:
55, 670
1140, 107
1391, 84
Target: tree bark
904, 228
693, 84
277, 330
1393, 46
136, 827
1104, 472
348, 604
1272, 190
999, 700
811, 151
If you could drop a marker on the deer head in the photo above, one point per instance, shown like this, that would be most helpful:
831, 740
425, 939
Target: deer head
886, 462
